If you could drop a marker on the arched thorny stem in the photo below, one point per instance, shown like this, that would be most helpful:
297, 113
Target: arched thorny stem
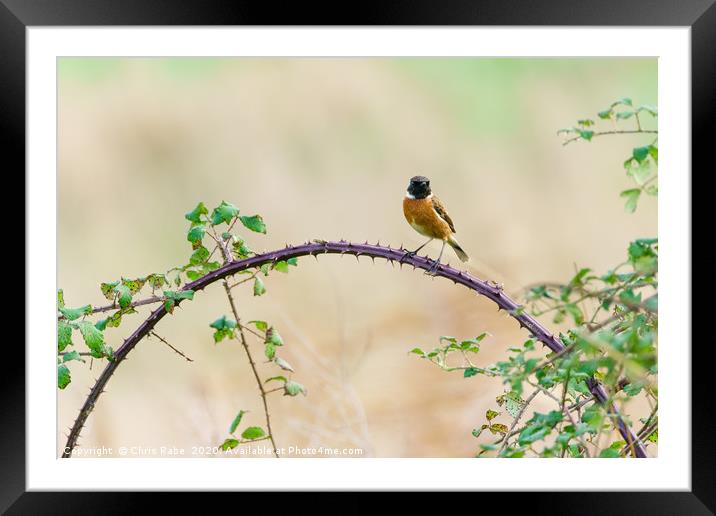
318, 247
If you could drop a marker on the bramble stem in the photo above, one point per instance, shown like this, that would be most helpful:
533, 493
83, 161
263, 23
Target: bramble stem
493, 292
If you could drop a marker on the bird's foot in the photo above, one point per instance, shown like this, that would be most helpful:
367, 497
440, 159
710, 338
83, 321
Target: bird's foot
408, 254
433, 270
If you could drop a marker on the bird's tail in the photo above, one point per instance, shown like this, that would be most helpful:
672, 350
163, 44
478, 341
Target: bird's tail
458, 250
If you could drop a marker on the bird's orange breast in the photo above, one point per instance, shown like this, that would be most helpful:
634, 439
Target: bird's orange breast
421, 215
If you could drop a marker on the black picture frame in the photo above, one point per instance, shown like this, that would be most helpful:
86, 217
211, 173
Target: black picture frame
700, 15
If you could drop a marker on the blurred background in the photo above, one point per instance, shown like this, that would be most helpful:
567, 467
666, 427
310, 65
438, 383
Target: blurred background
323, 149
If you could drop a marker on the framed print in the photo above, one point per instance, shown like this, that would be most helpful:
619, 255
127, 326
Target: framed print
389, 255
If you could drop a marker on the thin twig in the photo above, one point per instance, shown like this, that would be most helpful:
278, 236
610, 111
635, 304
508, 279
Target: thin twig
154, 334
115, 305
603, 133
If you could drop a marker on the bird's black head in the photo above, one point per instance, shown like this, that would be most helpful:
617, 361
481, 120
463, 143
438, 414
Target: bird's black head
419, 187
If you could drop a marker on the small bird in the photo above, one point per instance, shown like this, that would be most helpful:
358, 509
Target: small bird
429, 217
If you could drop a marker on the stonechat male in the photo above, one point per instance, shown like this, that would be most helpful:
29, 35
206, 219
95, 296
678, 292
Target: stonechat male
429, 217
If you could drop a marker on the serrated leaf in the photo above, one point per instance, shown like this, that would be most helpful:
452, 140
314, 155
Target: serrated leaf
72, 355
195, 214
252, 433
498, 428
259, 288
254, 223
64, 335
586, 134
94, 339
470, 371
157, 280
281, 266
196, 235
124, 295
269, 350
108, 289
199, 256
512, 402
75, 313
292, 388
224, 212
640, 153
63, 376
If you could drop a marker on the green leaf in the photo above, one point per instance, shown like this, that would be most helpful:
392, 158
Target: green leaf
512, 402
283, 364
94, 339
108, 289
195, 235
586, 134
229, 444
632, 198
252, 433
64, 335
75, 313
72, 355
276, 379
259, 288
60, 298
199, 256
609, 453
641, 153
194, 275
292, 388
273, 337
470, 371
292, 261
623, 115
498, 428
195, 214
225, 212
260, 325
134, 285
157, 280
224, 328
63, 376
124, 295
491, 414
269, 350
236, 421
223, 323
240, 248
605, 115
417, 351
254, 223
179, 294
281, 266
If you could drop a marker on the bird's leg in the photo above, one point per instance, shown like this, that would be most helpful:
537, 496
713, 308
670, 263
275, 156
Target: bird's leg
413, 253
432, 270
